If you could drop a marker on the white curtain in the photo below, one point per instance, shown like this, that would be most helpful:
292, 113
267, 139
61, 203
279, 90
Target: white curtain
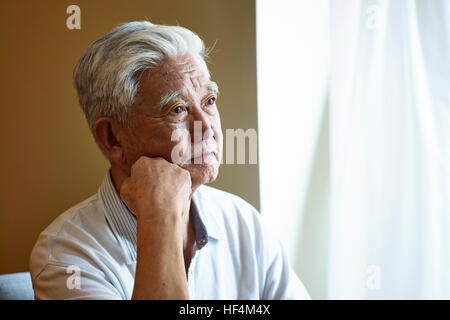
389, 128
292, 62
292, 78
354, 143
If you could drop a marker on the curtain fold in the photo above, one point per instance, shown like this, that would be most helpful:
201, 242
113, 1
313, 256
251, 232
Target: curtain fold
389, 149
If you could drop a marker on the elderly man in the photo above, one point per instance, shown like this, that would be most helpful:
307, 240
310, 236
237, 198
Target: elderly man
153, 230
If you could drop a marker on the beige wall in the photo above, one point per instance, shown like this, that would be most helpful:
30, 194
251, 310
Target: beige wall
49, 161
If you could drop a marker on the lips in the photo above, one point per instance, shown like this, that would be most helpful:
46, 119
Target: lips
205, 150
205, 155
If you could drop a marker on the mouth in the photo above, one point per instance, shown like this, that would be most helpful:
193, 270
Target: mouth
205, 158
204, 155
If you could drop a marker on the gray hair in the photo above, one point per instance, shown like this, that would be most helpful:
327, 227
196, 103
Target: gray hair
107, 75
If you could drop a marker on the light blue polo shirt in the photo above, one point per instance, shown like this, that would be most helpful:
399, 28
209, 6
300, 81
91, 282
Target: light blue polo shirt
89, 251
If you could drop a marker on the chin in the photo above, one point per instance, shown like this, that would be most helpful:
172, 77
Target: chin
202, 173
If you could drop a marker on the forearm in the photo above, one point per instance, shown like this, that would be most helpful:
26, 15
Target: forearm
160, 270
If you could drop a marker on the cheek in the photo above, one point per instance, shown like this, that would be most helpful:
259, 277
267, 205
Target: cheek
132, 148
218, 138
154, 141
217, 129
179, 146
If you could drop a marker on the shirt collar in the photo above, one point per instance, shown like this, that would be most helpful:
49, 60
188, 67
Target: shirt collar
206, 213
124, 225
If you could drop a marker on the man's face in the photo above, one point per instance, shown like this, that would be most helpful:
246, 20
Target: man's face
173, 100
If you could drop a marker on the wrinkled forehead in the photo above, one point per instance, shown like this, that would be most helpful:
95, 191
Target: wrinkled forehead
182, 68
183, 75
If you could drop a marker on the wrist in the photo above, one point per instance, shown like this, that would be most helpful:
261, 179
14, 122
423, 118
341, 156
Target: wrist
159, 228
157, 215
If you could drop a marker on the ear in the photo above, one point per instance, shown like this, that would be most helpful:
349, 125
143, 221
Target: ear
105, 132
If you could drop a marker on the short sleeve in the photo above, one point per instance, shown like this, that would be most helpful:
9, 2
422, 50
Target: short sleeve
281, 282
63, 282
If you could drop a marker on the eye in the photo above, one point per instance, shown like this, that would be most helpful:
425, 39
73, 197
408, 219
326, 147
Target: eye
211, 101
178, 109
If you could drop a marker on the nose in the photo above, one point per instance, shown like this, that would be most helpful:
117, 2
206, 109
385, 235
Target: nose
200, 126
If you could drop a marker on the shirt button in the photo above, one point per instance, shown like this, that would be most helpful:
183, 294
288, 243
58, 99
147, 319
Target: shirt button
201, 241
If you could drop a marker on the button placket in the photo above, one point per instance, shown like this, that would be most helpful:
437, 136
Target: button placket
191, 274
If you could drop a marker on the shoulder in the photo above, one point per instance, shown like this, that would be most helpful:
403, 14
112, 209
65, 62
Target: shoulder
234, 217
81, 217
77, 215
71, 237
219, 195
225, 203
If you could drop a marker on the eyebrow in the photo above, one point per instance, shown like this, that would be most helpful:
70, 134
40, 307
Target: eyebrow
213, 87
168, 97
173, 95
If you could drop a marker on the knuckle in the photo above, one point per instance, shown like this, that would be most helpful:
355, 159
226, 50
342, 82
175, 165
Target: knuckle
124, 189
143, 161
185, 174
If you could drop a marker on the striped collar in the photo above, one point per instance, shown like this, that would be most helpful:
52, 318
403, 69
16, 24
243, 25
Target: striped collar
124, 224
